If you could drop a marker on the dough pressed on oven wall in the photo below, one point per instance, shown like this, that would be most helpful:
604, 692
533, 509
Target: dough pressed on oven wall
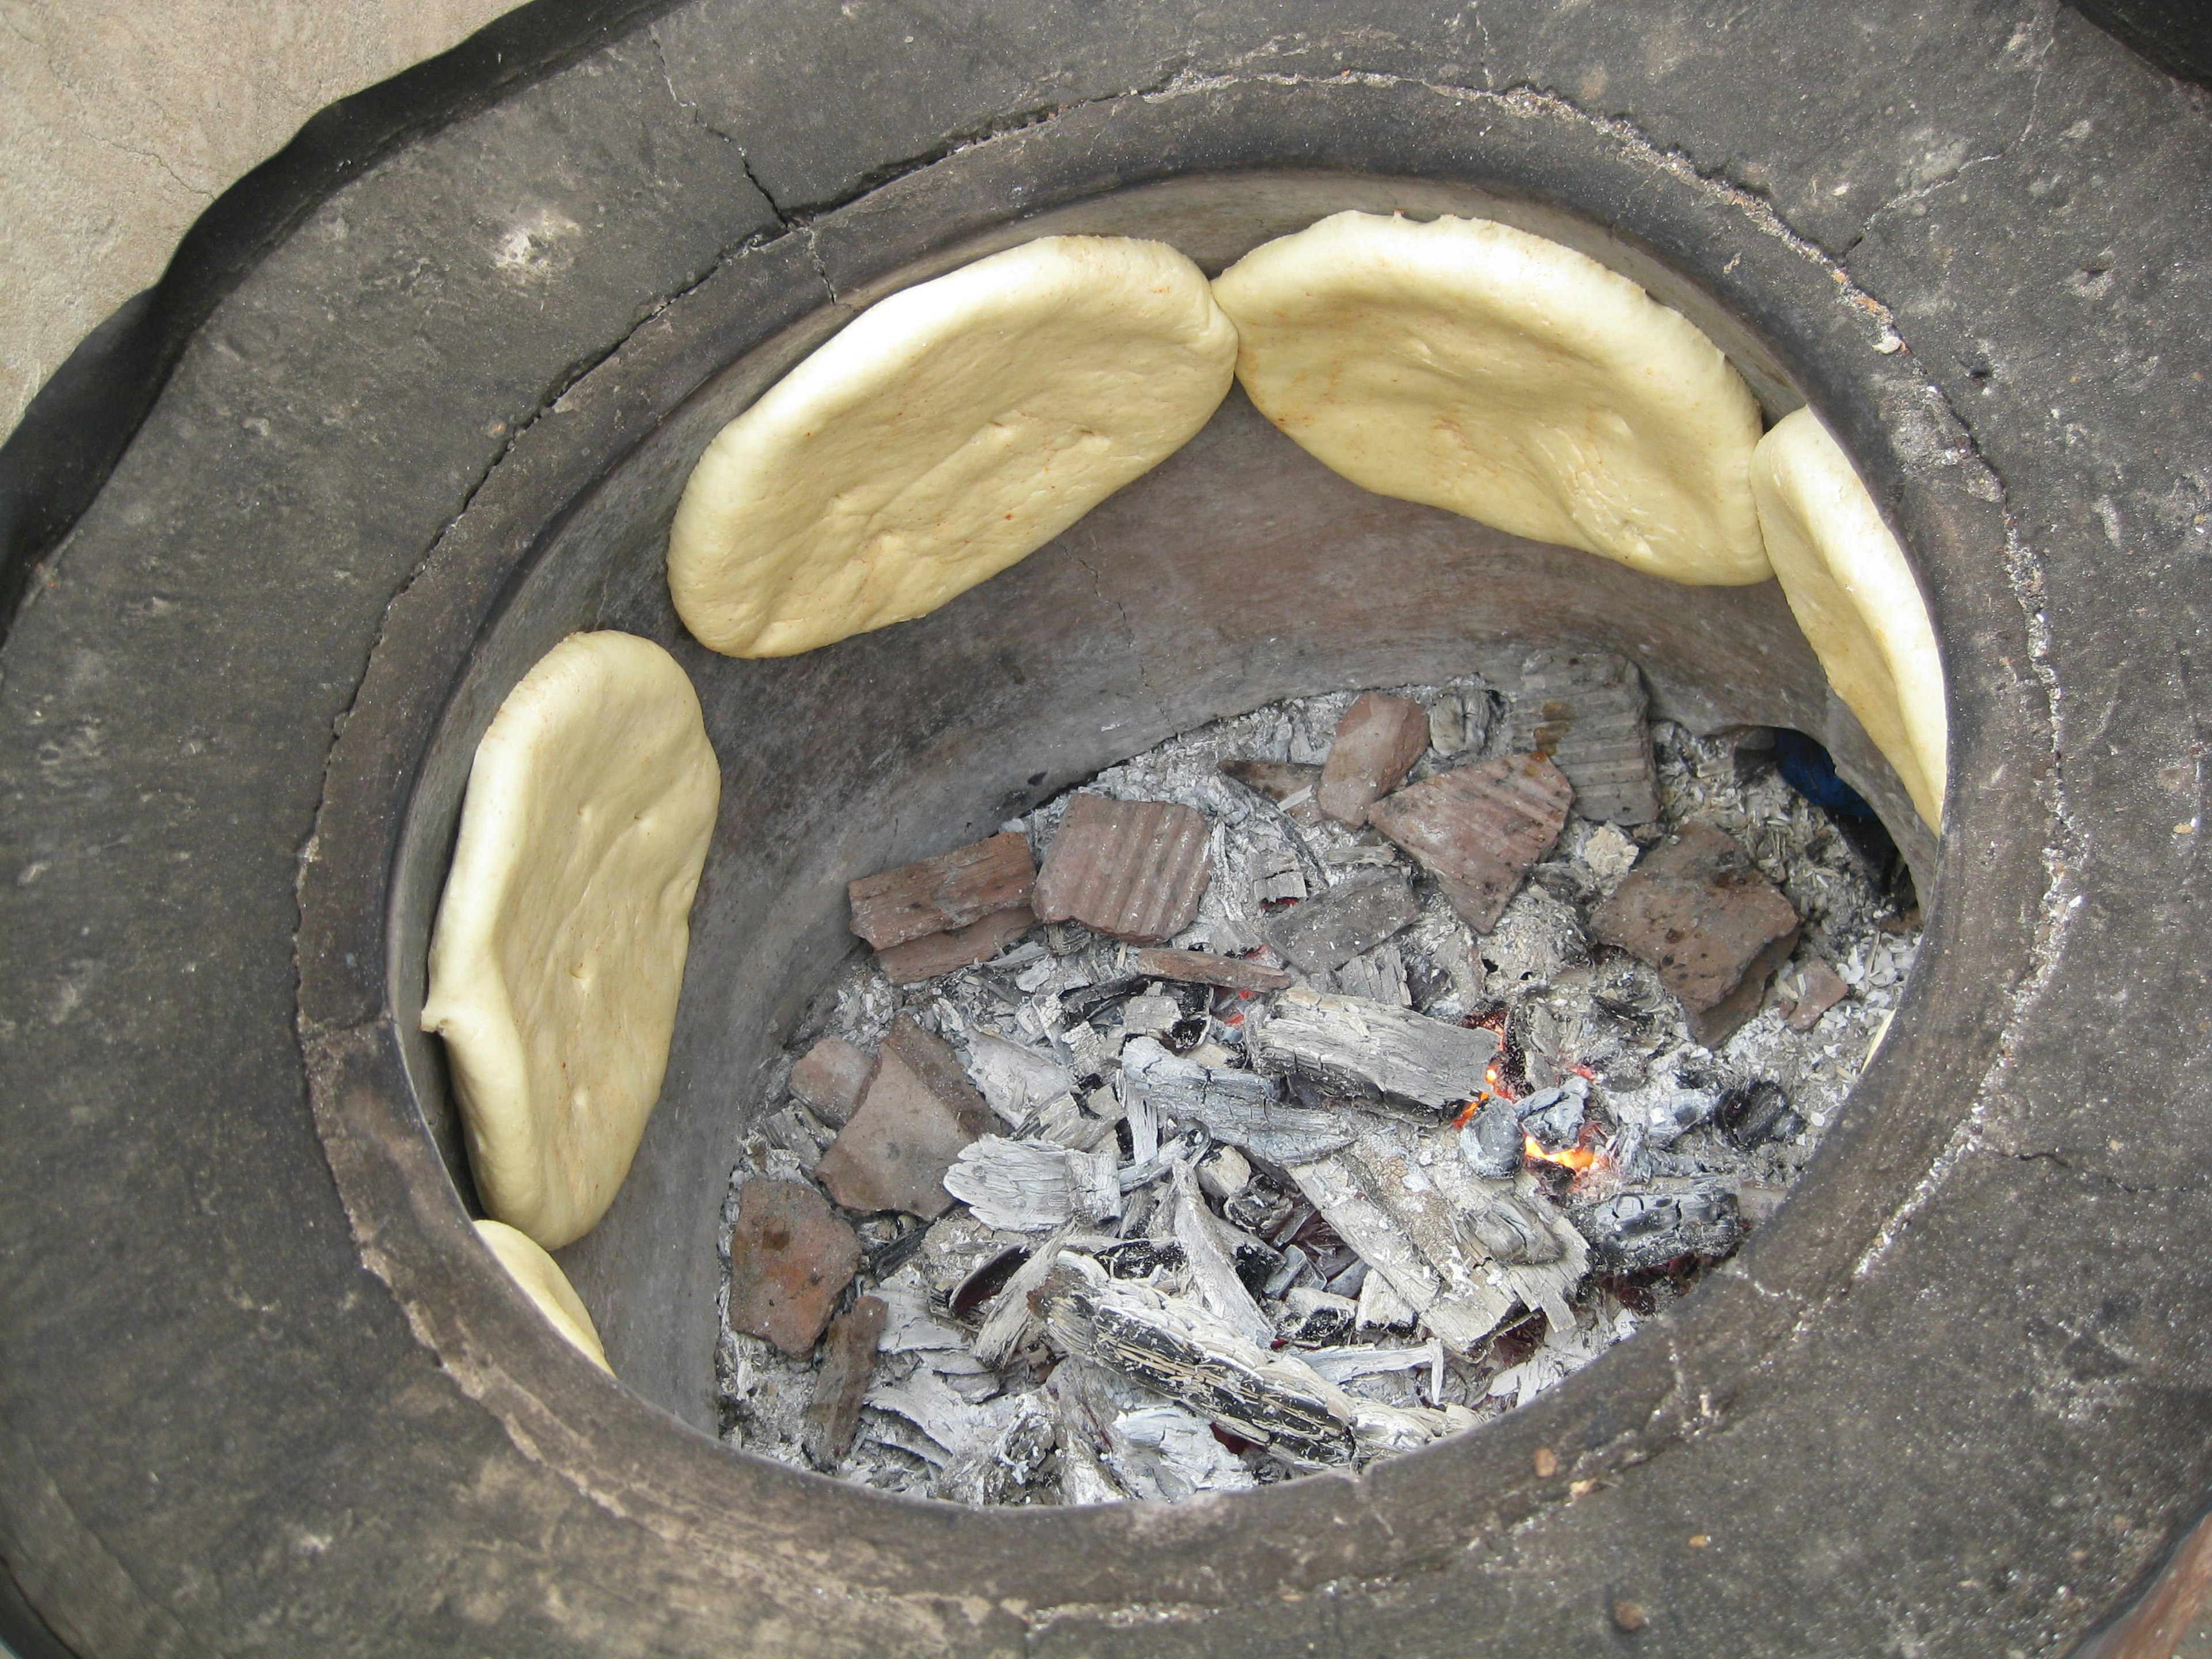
1854, 597
946, 433
1474, 367
546, 1286
557, 958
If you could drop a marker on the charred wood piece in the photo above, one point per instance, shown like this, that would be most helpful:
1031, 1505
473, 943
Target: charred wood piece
1355, 1047
1752, 1116
1637, 1231
1268, 1400
1235, 1107
1324, 932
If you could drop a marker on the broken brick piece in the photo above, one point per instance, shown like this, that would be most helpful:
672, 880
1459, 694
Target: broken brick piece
1479, 829
1200, 968
919, 1111
940, 894
1377, 742
1350, 919
790, 1258
1134, 870
1697, 908
1586, 710
1289, 785
1824, 988
963, 947
848, 1360
829, 1078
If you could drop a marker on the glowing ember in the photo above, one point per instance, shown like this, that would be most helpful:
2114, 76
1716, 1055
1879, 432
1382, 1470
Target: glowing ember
1577, 1158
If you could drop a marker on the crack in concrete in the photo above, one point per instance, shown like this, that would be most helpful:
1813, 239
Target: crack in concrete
2045, 24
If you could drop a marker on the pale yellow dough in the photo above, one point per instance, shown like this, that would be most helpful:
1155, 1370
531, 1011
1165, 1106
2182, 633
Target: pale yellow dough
1846, 579
948, 431
1474, 367
558, 954
545, 1283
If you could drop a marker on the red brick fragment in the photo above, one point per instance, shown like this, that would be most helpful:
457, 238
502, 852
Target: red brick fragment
1697, 908
1134, 870
848, 1360
919, 1111
1586, 710
1199, 967
790, 1258
938, 895
1824, 989
1377, 742
963, 947
829, 1078
1479, 829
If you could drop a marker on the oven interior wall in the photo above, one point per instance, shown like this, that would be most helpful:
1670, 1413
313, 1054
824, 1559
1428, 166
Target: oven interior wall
1239, 571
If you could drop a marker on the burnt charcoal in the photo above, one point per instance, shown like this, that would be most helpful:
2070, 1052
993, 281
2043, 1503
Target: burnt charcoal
1318, 1317
1586, 710
919, 1111
1216, 1276
1269, 1400
1100, 1006
1379, 977
1697, 908
848, 1360
1132, 870
1478, 829
830, 1077
1235, 1107
939, 895
1365, 1049
1512, 1231
1031, 1186
1752, 1116
963, 947
1326, 932
1491, 1141
1201, 968
1261, 1209
790, 1258
890, 1256
1185, 1034
1137, 1258
1637, 1232
1554, 1116
1224, 1173
987, 1281
1377, 742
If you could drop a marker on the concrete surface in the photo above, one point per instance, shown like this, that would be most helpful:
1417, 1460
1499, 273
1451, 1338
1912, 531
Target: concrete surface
120, 120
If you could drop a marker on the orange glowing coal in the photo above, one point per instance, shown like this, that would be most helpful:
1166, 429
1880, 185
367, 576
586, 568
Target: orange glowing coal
1577, 1158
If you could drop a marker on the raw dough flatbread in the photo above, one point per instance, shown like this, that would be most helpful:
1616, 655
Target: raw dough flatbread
948, 432
1854, 595
1474, 367
545, 1283
558, 953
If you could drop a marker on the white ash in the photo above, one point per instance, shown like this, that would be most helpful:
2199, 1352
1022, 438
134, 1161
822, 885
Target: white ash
1479, 1296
